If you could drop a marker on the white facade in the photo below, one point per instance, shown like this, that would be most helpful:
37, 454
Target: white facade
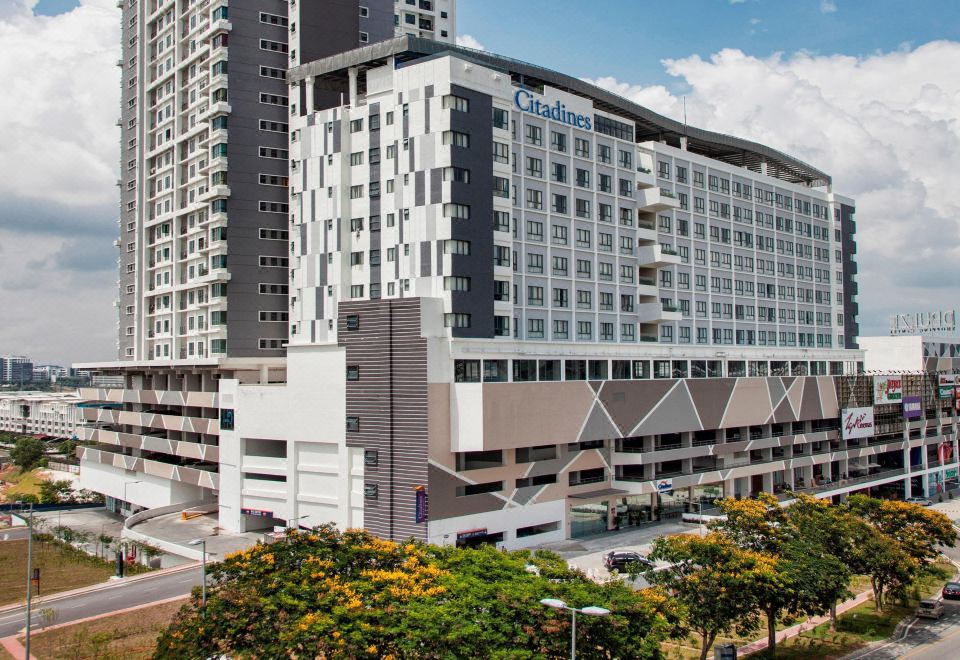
431, 19
41, 413
287, 452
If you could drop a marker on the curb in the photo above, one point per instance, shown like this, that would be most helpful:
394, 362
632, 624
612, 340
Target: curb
98, 587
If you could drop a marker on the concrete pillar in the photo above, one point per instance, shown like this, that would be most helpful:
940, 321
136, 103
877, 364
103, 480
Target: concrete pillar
763, 167
264, 374
352, 73
310, 103
683, 143
768, 482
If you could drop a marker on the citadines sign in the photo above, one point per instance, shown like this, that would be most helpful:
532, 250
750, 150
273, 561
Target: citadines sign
557, 111
887, 389
856, 423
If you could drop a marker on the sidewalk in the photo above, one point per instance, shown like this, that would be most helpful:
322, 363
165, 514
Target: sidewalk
809, 624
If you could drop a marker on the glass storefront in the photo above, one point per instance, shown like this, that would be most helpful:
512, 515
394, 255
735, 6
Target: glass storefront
588, 519
633, 511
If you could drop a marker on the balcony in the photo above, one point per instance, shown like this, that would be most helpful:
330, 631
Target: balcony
657, 312
645, 179
654, 200
656, 256
172, 471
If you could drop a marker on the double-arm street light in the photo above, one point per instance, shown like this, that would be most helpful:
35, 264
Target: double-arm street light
558, 604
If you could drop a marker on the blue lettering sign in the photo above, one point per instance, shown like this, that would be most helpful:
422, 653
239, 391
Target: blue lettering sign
526, 102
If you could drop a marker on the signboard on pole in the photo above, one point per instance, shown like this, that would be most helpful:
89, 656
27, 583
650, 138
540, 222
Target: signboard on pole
856, 422
912, 407
887, 389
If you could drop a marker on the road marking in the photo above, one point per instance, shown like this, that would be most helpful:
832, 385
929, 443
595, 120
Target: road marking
926, 646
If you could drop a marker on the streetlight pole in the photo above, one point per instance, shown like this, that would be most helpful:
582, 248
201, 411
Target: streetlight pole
129, 483
203, 568
26, 644
558, 604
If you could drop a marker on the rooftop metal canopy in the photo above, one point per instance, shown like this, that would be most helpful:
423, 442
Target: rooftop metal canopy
650, 126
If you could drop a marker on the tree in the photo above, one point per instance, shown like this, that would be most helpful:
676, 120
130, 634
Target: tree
54, 492
27, 452
918, 529
349, 594
714, 582
884, 559
754, 524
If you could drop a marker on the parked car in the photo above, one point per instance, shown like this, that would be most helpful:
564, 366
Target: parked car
922, 501
620, 560
930, 609
951, 591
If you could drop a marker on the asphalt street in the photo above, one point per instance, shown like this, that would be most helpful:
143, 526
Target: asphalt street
118, 595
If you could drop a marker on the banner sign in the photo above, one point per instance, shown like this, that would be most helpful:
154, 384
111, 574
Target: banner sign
947, 383
471, 534
421, 515
912, 407
887, 389
856, 422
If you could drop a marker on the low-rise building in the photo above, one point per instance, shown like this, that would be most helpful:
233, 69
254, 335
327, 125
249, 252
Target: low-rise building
54, 414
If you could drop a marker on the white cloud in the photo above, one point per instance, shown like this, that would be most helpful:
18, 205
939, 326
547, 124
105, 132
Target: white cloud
886, 127
828, 6
58, 201
469, 41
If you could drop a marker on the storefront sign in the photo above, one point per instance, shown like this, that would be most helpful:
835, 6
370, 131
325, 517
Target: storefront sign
923, 322
421, 507
945, 451
557, 112
947, 383
471, 534
857, 422
257, 513
912, 407
665, 485
887, 389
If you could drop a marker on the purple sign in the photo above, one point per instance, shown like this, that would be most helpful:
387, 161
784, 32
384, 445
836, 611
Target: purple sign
912, 407
421, 511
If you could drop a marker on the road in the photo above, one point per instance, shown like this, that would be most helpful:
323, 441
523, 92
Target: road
116, 596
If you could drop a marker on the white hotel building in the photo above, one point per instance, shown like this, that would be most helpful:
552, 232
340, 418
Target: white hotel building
524, 309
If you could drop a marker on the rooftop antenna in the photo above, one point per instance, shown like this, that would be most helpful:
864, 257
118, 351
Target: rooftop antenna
684, 114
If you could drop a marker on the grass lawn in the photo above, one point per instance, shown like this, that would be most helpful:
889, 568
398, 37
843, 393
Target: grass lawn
23, 483
6, 656
863, 624
129, 635
855, 628
61, 569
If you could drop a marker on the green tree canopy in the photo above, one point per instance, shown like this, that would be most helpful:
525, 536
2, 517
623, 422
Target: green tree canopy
918, 529
27, 452
349, 594
714, 581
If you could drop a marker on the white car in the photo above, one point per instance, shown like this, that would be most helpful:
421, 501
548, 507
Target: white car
922, 501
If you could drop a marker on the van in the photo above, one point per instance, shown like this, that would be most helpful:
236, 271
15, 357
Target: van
930, 609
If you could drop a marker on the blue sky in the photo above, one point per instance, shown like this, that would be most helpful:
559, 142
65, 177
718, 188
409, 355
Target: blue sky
627, 39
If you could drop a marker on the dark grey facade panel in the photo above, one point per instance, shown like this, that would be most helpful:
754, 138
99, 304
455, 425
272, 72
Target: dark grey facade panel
419, 187
436, 185
425, 259
390, 401
478, 265
439, 248
848, 246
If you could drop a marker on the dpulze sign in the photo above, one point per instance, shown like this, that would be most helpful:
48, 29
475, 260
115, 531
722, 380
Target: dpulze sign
912, 407
920, 322
857, 422
557, 112
887, 389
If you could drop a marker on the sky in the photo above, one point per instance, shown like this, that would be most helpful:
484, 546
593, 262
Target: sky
866, 91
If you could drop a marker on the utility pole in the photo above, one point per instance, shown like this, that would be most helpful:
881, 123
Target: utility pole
26, 644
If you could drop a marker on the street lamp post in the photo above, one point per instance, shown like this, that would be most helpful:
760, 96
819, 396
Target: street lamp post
26, 643
558, 604
129, 483
203, 568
